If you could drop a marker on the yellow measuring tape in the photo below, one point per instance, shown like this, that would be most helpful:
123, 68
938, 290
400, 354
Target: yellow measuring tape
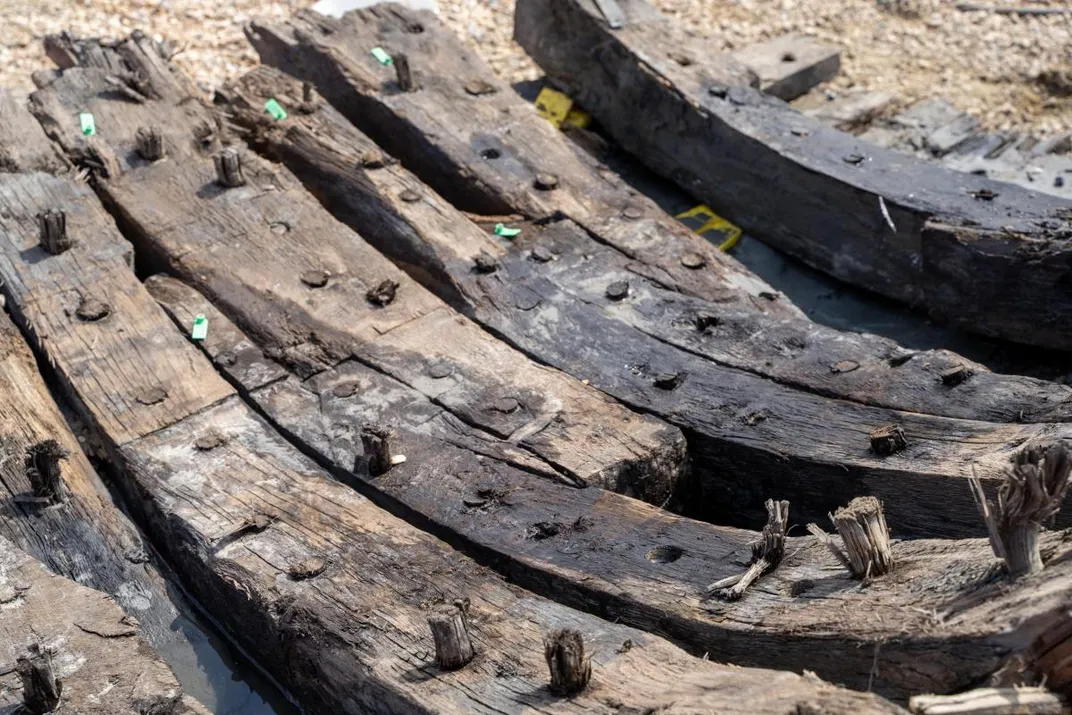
558, 109
703, 220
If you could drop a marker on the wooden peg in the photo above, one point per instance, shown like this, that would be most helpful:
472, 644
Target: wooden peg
862, 527
41, 689
402, 71
767, 553
229, 168
42, 465
1031, 495
450, 631
53, 225
570, 666
376, 442
150, 143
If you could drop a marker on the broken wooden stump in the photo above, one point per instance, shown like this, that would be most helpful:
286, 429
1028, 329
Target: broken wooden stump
767, 553
570, 666
53, 225
1030, 497
376, 445
450, 631
229, 168
951, 254
150, 142
43, 470
862, 527
40, 688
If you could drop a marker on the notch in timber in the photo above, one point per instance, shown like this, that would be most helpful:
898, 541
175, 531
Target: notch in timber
450, 631
41, 689
150, 143
229, 168
42, 465
53, 231
570, 666
1031, 495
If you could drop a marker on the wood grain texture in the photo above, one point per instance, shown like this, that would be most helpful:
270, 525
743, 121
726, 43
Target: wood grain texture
987, 256
482, 148
438, 132
23, 145
249, 248
547, 297
97, 653
648, 568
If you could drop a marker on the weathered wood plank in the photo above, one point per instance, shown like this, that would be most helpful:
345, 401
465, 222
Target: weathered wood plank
648, 568
557, 310
759, 335
24, 145
277, 236
332, 592
987, 256
790, 65
95, 650
475, 145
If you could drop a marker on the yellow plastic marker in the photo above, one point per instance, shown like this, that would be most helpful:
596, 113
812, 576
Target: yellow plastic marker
558, 109
702, 219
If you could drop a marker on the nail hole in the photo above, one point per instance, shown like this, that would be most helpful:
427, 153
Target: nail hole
789, 57
665, 554
415, 28
490, 154
799, 588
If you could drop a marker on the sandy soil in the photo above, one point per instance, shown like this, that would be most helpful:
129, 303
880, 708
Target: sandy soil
1013, 72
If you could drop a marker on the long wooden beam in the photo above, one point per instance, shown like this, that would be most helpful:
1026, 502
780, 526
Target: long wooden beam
988, 256
78, 649
648, 568
546, 292
445, 133
331, 592
316, 293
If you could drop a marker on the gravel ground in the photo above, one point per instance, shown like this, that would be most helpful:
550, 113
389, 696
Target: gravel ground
1012, 72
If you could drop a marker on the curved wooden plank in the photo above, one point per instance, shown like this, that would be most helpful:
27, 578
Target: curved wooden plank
648, 568
331, 592
441, 132
277, 235
548, 297
988, 256
96, 651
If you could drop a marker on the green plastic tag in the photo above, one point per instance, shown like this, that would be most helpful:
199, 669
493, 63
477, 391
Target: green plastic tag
275, 109
382, 57
89, 127
200, 331
501, 230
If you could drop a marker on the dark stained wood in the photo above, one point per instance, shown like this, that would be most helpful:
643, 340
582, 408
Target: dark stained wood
650, 350
275, 232
627, 561
437, 132
242, 515
23, 146
484, 151
987, 256
51, 626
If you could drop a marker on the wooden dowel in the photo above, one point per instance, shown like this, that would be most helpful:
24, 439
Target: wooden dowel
862, 527
53, 231
570, 666
450, 631
41, 689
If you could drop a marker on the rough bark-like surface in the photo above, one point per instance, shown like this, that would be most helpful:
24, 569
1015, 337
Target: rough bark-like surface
249, 246
102, 664
23, 146
630, 562
547, 296
988, 256
443, 134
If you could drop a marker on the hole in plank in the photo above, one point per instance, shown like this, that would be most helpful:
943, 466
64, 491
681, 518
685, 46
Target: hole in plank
490, 153
789, 57
665, 554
